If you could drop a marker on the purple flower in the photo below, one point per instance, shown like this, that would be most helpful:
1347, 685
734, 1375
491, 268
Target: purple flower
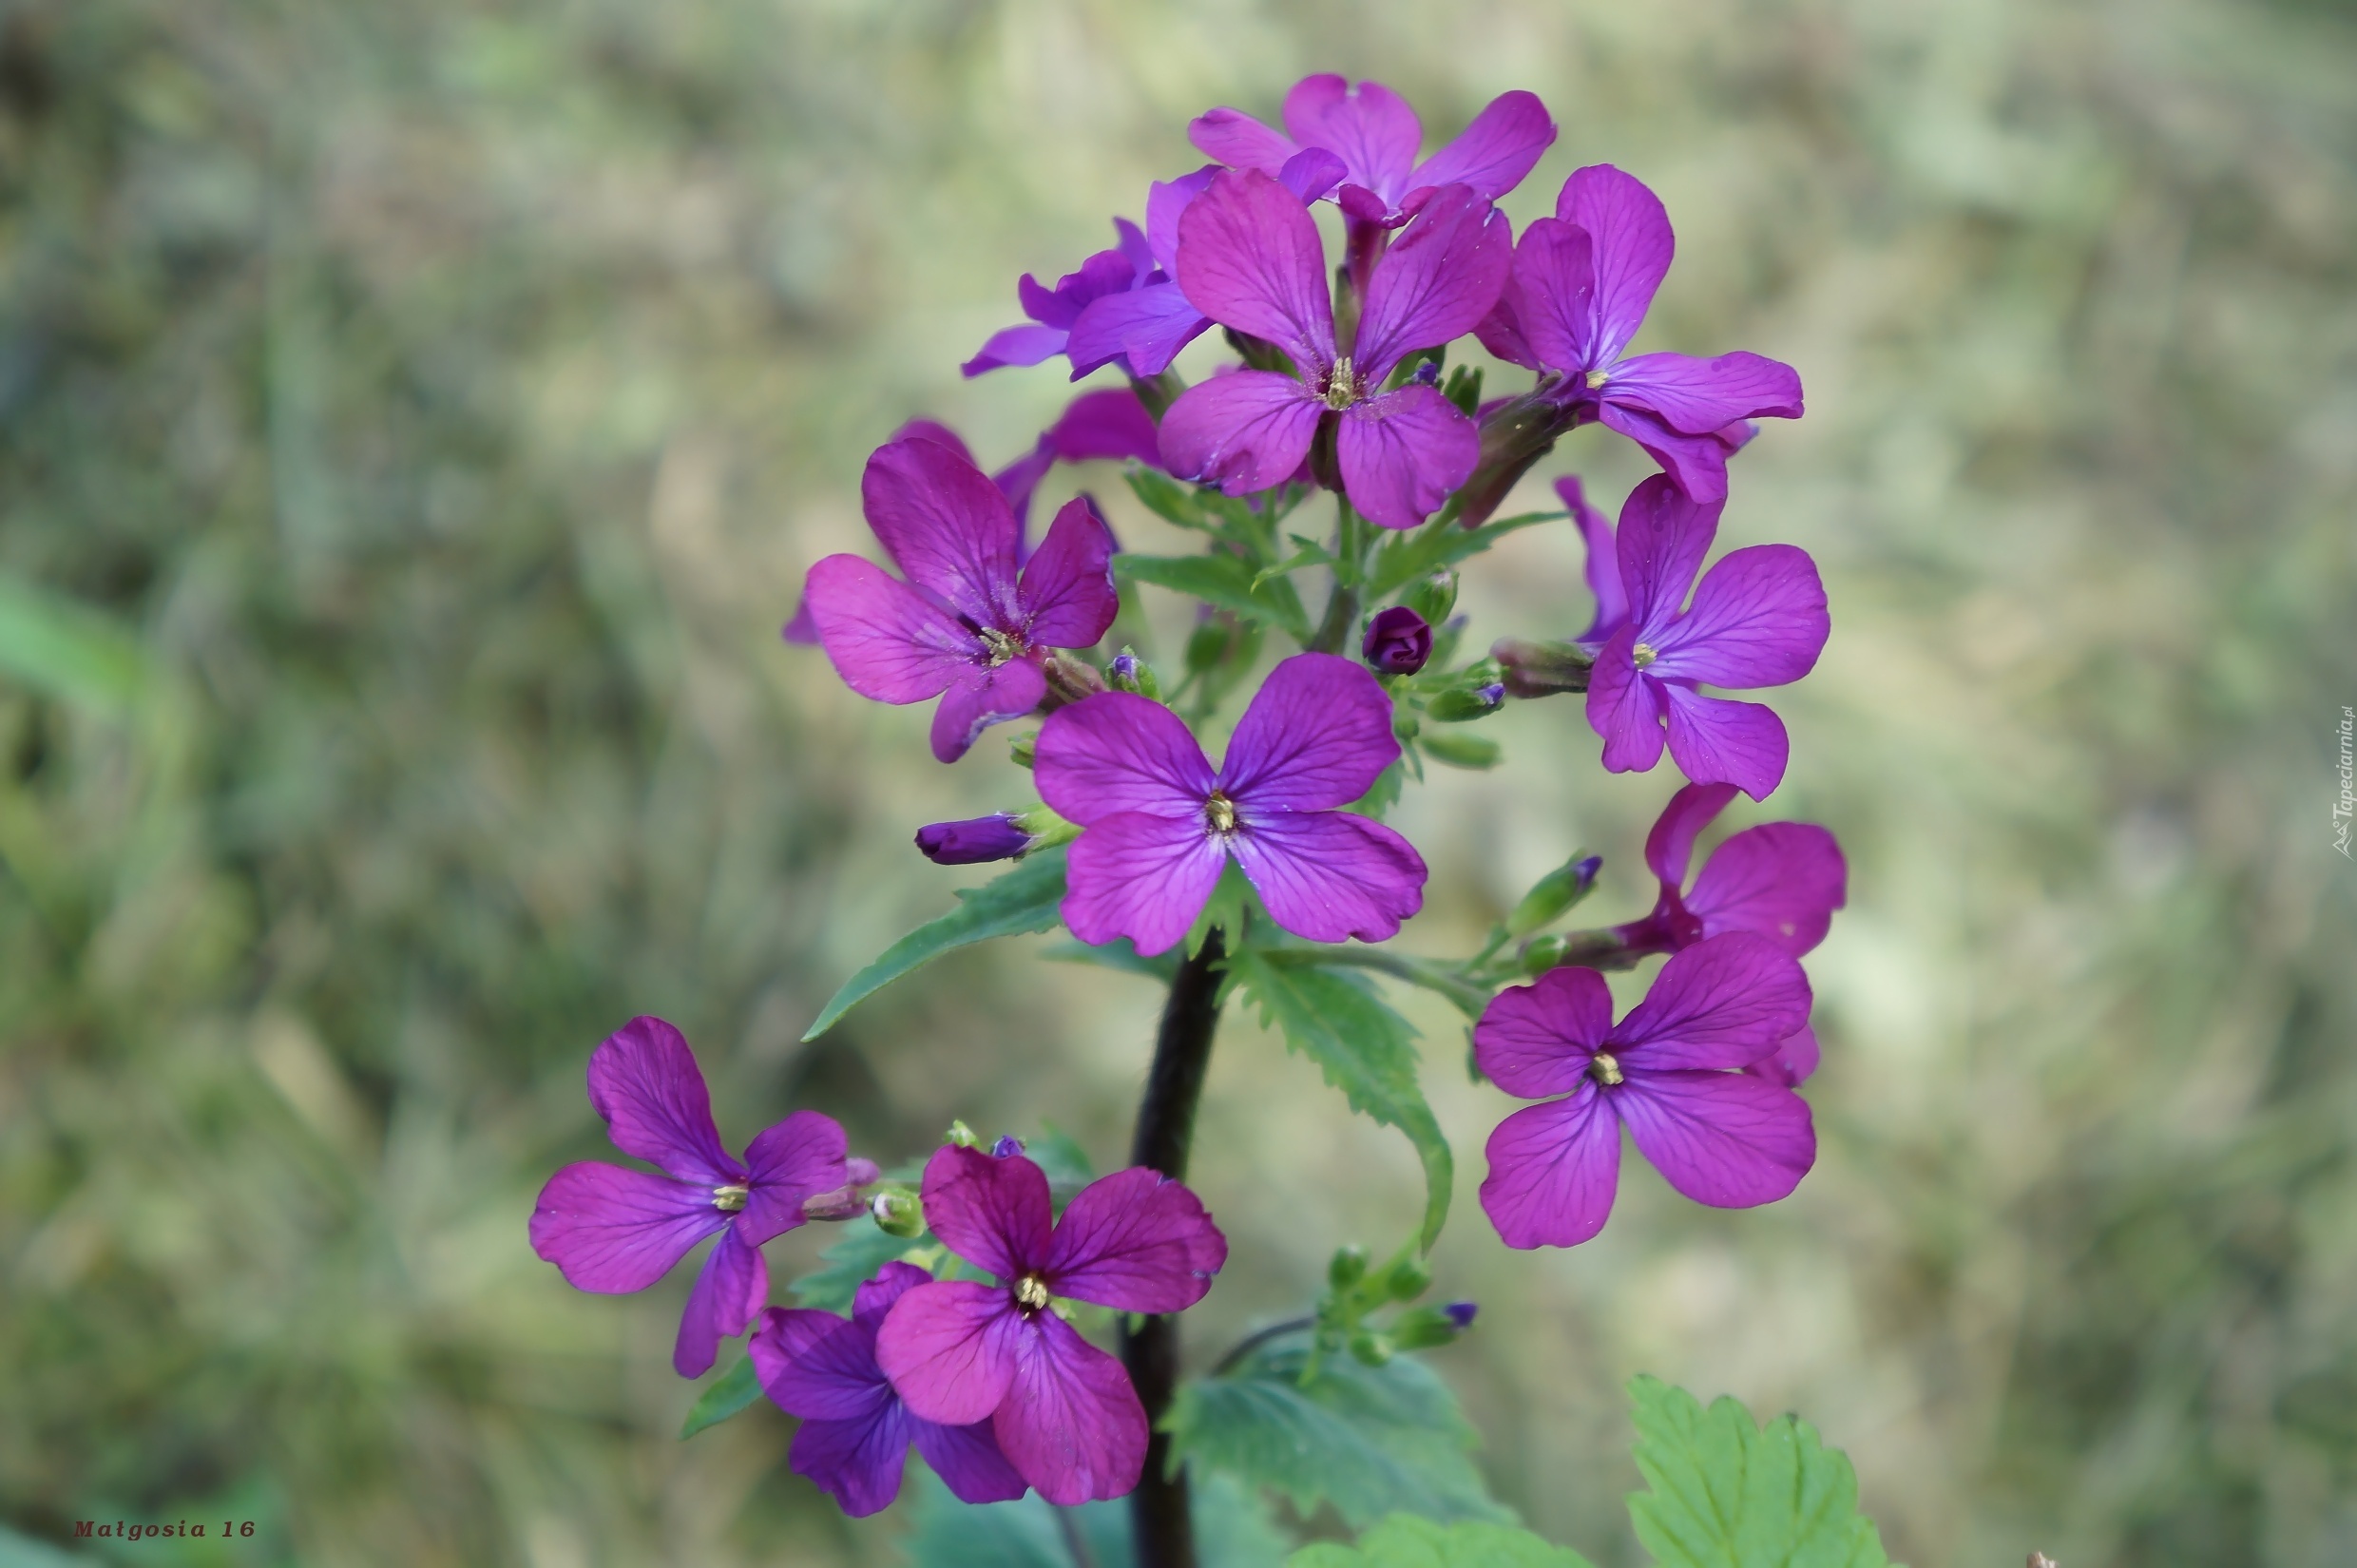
964, 627
1757, 620
1111, 423
1719, 1136
1583, 281
960, 1352
1250, 257
973, 841
1398, 642
1054, 311
855, 1432
613, 1230
1160, 824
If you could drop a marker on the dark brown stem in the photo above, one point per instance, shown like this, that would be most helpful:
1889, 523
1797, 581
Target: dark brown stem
1160, 1518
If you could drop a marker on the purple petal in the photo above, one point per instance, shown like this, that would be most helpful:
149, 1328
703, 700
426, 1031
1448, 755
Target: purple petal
1782, 879
1697, 463
1725, 1001
1500, 332
1632, 249
1238, 141
888, 642
1553, 1170
1027, 344
817, 1365
1138, 1241
967, 1461
1111, 423
1715, 740
1106, 272
1316, 736
1698, 396
1757, 620
1662, 538
1071, 1425
1728, 1140
981, 699
644, 1082
1604, 562
1793, 1062
1250, 257
1020, 478
937, 432
1537, 1039
1624, 707
856, 1462
799, 1158
729, 1295
1311, 173
1551, 296
1118, 751
946, 526
1245, 430
1671, 843
1331, 875
992, 1213
949, 1348
1066, 596
1371, 129
1168, 199
1131, 241
1505, 142
801, 628
613, 1230
1145, 877
1436, 283
1145, 328
875, 1296
1403, 452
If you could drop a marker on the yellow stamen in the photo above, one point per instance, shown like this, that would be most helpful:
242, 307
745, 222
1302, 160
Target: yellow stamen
1220, 812
1342, 387
1605, 1069
1597, 378
730, 1198
1030, 1292
1002, 646
1641, 656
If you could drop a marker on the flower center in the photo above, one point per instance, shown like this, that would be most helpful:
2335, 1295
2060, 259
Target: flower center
730, 1198
1002, 646
1597, 378
1030, 1292
1602, 1068
1342, 387
1220, 812
1641, 656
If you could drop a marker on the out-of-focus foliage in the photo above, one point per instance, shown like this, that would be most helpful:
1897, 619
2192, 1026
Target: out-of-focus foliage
442, 399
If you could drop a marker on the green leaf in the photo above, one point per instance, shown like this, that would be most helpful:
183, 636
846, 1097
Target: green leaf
1168, 498
1060, 1157
1406, 1542
1364, 1049
1405, 556
1120, 954
735, 1389
851, 1262
1023, 900
1725, 1494
1231, 1530
1223, 579
68, 651
1369, 1440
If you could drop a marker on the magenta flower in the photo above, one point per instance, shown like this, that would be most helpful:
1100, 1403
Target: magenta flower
960, 1352
1054, 311
855, 1432
1668, 1071
1250, 257
1758, 619
1583, 281
964, 627
1111, 423
613, 1230
1160, 824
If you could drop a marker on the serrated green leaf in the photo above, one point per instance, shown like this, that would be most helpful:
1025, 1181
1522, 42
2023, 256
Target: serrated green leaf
1231, 1530
1167, 498
1226, 581
1024, 900
1406, 1542
1364, 1049
1369, 1440
1725, 1494
65, 650
735, 1389
1121, 954
1405, 556
849, 1263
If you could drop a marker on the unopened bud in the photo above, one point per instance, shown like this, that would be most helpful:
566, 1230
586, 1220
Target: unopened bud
1070, 680
1022, 747
1398, 642
1409, 1279
1007, 1147
973, 841
1348, 1268
1129, 673
1554, 893
1542, 669
843, 1204
962, 1136
1588, 949
1428, 1326
897, 1212
1458, 706
1462, 750
1371, 1349
1433, 597
1462, 1314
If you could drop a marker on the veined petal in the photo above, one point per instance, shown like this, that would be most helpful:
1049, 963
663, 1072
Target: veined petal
1066, 596
1501, 332
1662, 538
1634, 244
1131, 241
1111, 423
1698, 396
1311, 173
1250, 257
992, 1213
1603, 569
1728, 1140
1316, 736
1142, 876
1624, 707
1144, 329
818, 1367
1138, 1241
1332, 875
981, 698
1553, 1171
967, 1461
937, 432
857, 1463
799, 1158
1027, 344
1716, 741
1106, 272
1071, 1425
1758, 619
1371, 128
1505, 142
644, 1082
947, 525
1245, 430
1671, 844
1725, 1001
1552, 295
1020, 478
1167, 199
1782, 879
874, 1297
888, 642
949, 1348
1238, 141
1403, 452
1119, 751
1792, 1060
729, 1295
1697, 463
1537, 1039
1437, 280
613, 1230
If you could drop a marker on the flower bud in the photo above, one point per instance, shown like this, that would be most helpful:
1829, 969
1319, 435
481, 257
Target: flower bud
859, 1171
973, 841
1398, 642
1433, 597
1429, 1327
1458, 706
1371, 1349
1069, 680
1409, 1279
1542, 669
1007, 1147
1021, 747
1554, 893
962, 1136
1462, 750
897, 1212
1348, 1268
1128, 673
1462, 1314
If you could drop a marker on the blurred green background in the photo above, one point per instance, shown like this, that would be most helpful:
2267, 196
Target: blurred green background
431, 407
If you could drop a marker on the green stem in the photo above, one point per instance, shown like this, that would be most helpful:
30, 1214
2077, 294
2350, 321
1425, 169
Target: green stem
1342, 606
